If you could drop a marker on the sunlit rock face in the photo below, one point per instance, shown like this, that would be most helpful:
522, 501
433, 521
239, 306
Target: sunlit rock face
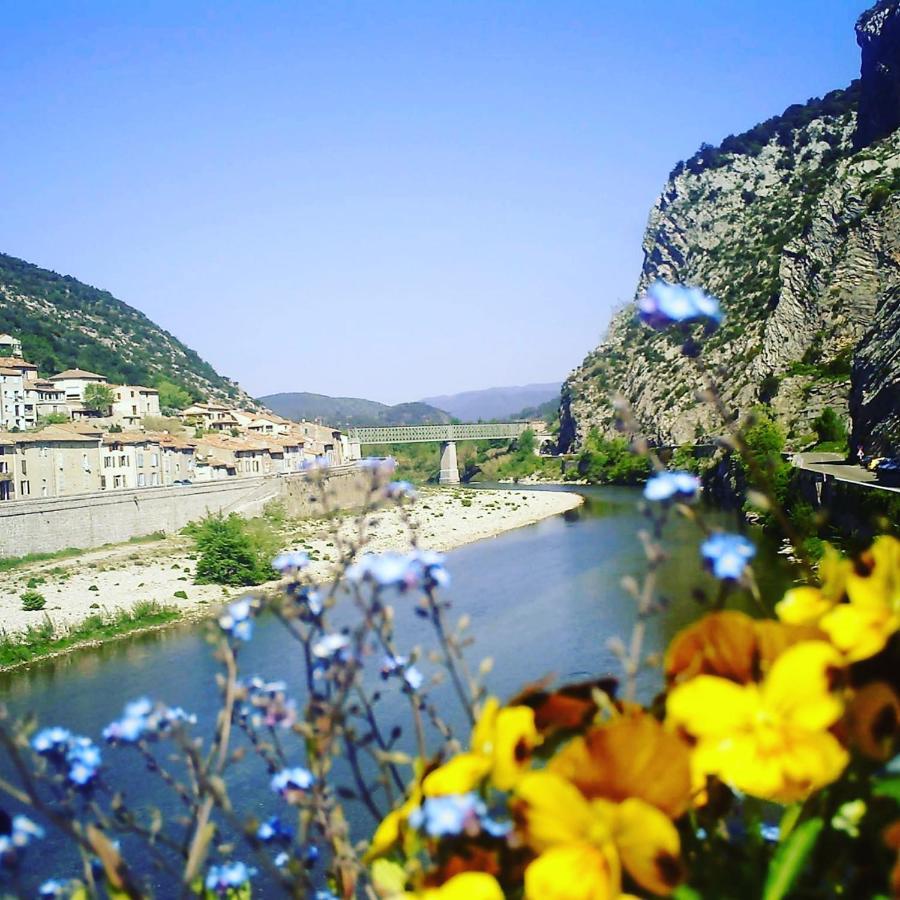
878, 35
795, 229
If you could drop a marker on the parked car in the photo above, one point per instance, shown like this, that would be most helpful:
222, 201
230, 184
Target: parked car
183, 482
888, 472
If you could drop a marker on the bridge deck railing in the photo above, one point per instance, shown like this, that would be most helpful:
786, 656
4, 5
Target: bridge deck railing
414, 434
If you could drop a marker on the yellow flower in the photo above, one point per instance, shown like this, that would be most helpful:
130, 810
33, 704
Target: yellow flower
465, 886
502, 741
390, 829
862, 627
583, 844
631, 756
806, 605
770, 740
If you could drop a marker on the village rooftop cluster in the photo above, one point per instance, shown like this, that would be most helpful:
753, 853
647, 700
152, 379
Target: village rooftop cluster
87, 450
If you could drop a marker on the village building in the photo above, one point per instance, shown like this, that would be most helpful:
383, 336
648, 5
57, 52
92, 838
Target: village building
74, 381
131, 461
209, 416
321, 441
16, 414
53, 462
47, 398
178, 458
132, 403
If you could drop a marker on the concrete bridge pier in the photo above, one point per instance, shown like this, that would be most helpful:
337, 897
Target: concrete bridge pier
449, 466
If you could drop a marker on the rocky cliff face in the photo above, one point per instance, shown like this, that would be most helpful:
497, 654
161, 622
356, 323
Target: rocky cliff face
797, 230
878, 35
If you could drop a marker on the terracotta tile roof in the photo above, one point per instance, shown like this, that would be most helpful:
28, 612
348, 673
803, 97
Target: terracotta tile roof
5, 371
53, 434
76, 373
16, 362
125, 437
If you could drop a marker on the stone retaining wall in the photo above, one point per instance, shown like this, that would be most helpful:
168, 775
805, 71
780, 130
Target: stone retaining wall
91, 520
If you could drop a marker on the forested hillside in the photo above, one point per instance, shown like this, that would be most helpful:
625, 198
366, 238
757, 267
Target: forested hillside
64, 324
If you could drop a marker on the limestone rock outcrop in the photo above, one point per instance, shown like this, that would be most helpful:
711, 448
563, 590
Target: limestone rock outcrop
795, 226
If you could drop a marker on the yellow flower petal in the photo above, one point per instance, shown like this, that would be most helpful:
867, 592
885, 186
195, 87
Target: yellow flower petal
465, 886
800, 685
388, 878
458, 776
874, 579
483, 732
631, 756
859, 631
514, 737
574, 872
707, 705
648, 845
555, 812
803, 606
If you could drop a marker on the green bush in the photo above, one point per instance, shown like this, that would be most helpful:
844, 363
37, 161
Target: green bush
611, 462
829, 428
180, 595
32, 601
233, 551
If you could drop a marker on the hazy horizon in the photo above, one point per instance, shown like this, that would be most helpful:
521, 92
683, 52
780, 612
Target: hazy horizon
388, 202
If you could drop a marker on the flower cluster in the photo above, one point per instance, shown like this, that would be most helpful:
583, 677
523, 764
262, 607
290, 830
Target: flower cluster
77, 757
418, 569
142, 720
265, 703
595, 793
228, 877
237, 620
667, 304
400, 667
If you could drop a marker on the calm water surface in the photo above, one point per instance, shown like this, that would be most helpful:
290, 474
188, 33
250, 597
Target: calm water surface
542, 599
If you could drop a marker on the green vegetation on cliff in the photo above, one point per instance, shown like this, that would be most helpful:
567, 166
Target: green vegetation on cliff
65, 324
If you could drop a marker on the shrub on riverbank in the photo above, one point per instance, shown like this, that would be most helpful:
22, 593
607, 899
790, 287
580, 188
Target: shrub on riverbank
32, 600
604, 461
233, 551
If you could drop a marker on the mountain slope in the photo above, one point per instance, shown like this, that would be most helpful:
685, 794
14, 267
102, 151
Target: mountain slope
65, 324
495, 403
795, 226
350, 411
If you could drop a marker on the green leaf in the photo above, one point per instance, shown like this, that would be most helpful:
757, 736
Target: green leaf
683, 892
889, 787
789, 859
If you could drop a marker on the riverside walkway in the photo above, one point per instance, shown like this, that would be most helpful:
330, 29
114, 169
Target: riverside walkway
834, 465
445, 435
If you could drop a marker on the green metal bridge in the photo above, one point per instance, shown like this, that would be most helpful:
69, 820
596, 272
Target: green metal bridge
446, 435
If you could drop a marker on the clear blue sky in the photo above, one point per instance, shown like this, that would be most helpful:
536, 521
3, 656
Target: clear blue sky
379, 199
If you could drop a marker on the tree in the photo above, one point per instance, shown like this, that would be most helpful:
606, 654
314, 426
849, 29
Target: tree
172, 396
99, 397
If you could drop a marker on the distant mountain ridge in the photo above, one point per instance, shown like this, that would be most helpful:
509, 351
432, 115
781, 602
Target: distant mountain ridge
65, 324
352, 411
496, 402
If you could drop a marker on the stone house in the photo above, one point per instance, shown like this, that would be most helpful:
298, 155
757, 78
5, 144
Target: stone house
46, 397
286, 454
131, 461
132, 403
15, 412
247, 457
321, 440
178, 459
209, 416
74, 381
52, 462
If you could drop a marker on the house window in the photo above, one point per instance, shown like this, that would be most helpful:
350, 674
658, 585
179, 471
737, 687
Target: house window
43, 452
24, 466
141, 479
154, 459
154, 479
140, 460
24, 488
102, 482
44, 489
107, 462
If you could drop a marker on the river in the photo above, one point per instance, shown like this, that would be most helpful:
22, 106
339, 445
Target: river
542, 599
